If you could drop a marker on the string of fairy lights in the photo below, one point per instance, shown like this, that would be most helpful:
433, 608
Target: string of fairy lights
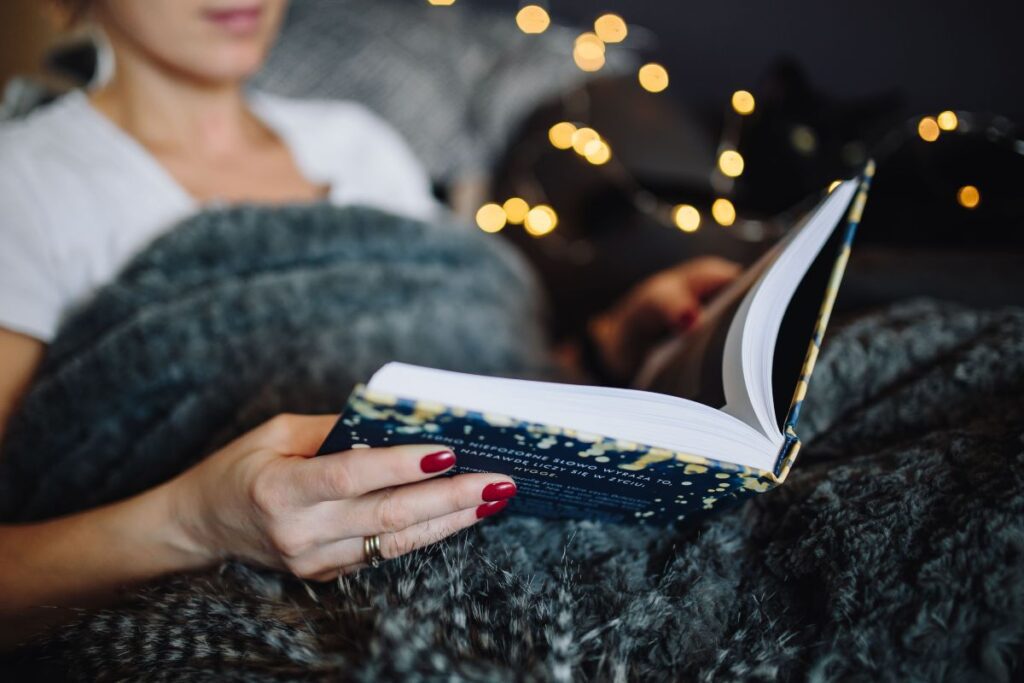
930, 129
589, 55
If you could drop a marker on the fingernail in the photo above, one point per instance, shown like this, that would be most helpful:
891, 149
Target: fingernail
488, 509
686, 320
499, 491
437, 462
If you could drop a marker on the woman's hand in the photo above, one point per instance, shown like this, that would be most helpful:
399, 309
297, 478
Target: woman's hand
665, 302
264, 499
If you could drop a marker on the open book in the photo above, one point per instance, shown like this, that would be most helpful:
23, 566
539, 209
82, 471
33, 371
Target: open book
712, 419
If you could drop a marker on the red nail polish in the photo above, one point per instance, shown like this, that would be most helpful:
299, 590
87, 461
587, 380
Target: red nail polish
686, 320
499, 491
437, 462
488, 509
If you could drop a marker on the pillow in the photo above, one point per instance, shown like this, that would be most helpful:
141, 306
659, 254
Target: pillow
454, 81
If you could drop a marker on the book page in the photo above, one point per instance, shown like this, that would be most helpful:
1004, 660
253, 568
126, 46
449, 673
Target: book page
690, 365
754, 333
715, 363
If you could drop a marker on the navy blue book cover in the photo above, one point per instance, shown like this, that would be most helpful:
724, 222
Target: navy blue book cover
561, 473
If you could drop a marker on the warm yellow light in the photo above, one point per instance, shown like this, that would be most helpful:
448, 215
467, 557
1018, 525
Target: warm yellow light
723, 212
686, 217
968, 196
588, 52
491, 217
928, 129
653, 77
589, 45
541, 220
743, 102
589, 64
533, 19
591, 147
582, 137
834, 184
947, 120
731, 163
561, 134
597, 152
441, 3
610, 28
515, 209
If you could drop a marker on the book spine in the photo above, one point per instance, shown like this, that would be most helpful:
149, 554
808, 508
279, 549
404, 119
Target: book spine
792, 444
787, 456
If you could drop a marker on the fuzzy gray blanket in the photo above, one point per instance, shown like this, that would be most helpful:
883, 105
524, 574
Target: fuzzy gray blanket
895, 551
242, 313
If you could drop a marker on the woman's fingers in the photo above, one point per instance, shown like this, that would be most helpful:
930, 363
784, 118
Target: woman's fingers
343, 557
683, 289
391, 510
706, 275
359, 471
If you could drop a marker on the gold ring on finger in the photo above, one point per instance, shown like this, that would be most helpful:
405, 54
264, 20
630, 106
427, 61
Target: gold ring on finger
371, 549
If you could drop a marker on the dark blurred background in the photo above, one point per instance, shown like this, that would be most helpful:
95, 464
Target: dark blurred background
858, 77
834, 83
936, 54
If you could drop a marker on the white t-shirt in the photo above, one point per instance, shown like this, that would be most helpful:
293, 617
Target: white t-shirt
79, 197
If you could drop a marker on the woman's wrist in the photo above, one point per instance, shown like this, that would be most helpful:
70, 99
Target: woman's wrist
183, 540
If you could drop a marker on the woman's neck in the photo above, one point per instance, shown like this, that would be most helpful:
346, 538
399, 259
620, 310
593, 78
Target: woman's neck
168, 111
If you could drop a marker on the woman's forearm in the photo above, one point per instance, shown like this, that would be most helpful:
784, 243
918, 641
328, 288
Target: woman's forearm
85, 559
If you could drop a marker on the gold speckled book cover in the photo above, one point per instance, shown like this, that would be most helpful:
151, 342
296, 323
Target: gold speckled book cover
558, 472
565, 473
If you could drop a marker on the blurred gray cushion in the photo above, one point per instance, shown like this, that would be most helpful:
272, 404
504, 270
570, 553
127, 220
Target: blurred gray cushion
455, 81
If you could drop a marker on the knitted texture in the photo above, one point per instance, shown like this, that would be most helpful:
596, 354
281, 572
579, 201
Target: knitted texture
242, 313
892, 553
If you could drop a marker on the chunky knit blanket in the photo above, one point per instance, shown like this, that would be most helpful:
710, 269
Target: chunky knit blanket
894, 552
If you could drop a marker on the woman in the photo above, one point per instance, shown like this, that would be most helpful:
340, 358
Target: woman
90, 179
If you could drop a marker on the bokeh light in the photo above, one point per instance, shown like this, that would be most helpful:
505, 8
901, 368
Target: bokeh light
582, 137
588, 64
743, 102
730, 162
533, 19
804, 139
947, 120
515, 209
968, 196
833, 185
610, 28
686, 217
541, 220
653, 77
491, 217
588, 52
561, 134
589, 45
723, 212
597, 152
441, 3
928, 129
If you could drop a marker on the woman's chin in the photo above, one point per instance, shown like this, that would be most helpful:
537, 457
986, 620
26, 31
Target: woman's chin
227, 66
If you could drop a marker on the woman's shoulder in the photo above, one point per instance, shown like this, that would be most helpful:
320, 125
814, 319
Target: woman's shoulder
54, 128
